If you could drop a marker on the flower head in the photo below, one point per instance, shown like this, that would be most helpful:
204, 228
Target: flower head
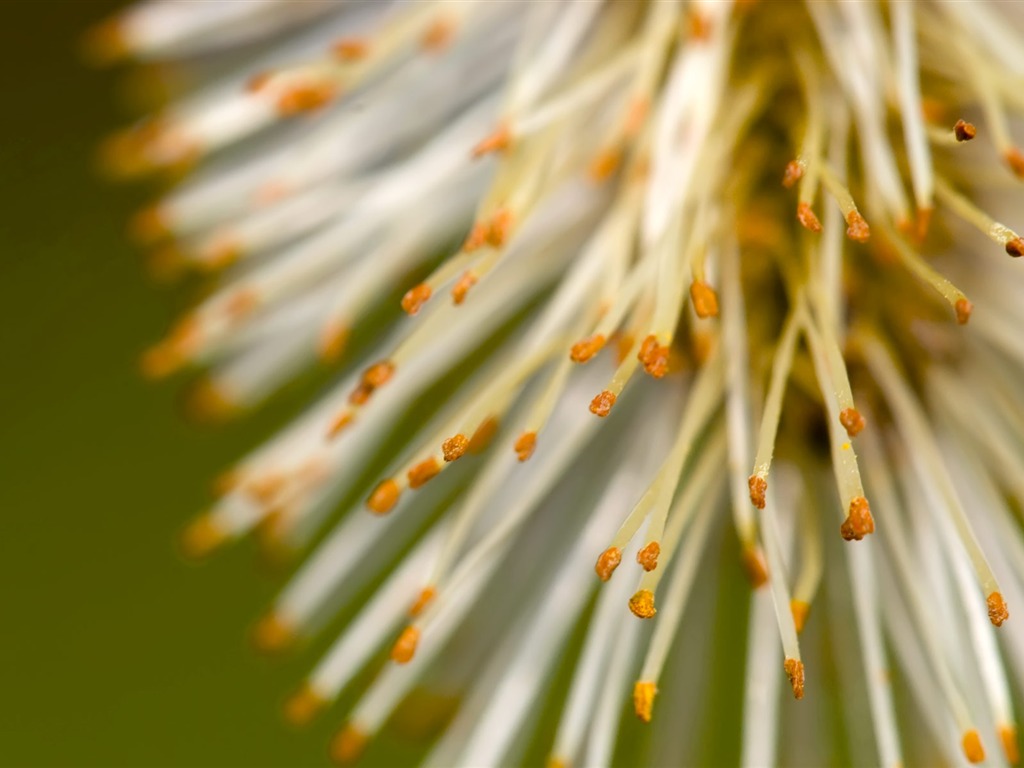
692, 254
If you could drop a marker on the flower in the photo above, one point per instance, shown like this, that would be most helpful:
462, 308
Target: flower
604, 181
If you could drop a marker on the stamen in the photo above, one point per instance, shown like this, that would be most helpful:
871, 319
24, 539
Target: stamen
852, 421
273, 634
608, 562
384, 497
973, 750
643, 699
348, 744
425, 598
415, 298
799, 609
997, 612
405, 647
754, 564
421, 473
454, 447
705, 301
584, 350
304, 705
647, 556
525, 445
964, 131
807, 219
1008, 739
859, 522
654, 357
602, 404
201, 538
642, 604
795, 672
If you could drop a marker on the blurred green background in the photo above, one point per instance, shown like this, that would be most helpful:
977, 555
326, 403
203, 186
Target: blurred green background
114, 651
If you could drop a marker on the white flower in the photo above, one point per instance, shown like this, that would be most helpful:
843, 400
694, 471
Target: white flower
586, 167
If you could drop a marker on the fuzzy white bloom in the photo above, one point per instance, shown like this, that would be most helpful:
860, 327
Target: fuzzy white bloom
606, 173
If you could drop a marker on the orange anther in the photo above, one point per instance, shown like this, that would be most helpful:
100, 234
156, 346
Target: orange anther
303, 705
794, 172
422, 472
758, 486
643, 699
857, 228
1015, 247
424, 599
607, 562
384, 497
648, 556
1015, 159
405, 647
997, 611
963, 310
755, 566
654, 357
602, 404
454, 447
964, 131
642, 604
462, 287
498, 141
585, 349
806, 217
350, 49
304, 97
525, 445
799, 609
973, 750
859, 522
415, 298
484, 434
852, 421
348, 745
795, 673
704, 298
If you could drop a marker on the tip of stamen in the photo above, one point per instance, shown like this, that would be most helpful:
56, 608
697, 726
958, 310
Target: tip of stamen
454, 447
1015, 159
201, 538
374, 377
584, 350
973, 750
438, 35
350, 49
799, 609
303, 706
273, 634
556, 762
964, 131
605, 164
106, 43
209, 403
337, 426
648, 556
806, 217
795, 673
1008, 740
654, 357
405, 647
859, 522
852, 421
755, 566
384, 497
643, 699
415, 298
302, 98
425, 597
963, 310
758, 488
333, 343
794, 172
602, 404
997, 611
484, 434
462, 287
1015, 247
704, 298
149, 226
525, 445
642, 604
424, 471
348, 744
498, 141
607, 562
500, 228
857, 228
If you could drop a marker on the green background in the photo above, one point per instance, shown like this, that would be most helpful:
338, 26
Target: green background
114, 651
